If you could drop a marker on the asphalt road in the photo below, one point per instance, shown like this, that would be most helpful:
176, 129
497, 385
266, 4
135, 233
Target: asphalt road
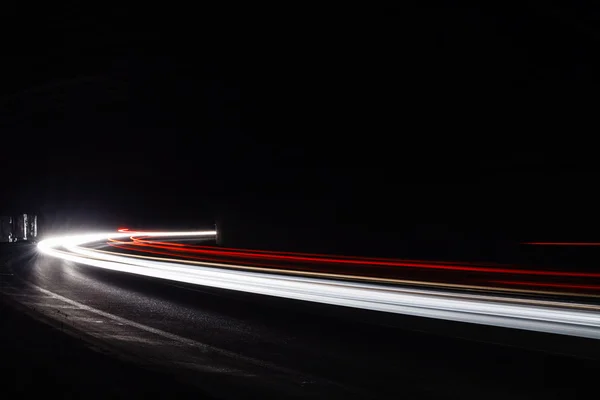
237, 345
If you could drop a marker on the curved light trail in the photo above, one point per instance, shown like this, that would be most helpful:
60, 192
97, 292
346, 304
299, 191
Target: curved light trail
256, 275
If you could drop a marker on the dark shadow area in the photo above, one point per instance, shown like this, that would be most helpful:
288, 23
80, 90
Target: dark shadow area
39, 359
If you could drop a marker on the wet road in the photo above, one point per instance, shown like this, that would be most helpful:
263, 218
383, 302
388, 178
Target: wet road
238, 345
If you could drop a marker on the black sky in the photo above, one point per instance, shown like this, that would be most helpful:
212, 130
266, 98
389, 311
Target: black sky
445, 115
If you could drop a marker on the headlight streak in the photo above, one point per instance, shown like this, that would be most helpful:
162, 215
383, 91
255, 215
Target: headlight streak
544, 316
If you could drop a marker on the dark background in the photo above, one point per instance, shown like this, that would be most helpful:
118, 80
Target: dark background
436, 131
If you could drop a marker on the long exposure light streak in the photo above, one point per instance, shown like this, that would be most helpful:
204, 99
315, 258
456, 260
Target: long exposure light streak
521, 313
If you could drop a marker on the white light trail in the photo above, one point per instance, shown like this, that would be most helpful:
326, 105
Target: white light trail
544, 316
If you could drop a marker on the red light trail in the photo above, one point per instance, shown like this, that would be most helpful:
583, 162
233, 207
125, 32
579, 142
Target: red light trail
453, 272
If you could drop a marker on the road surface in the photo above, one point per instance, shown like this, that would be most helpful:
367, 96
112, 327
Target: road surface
243, 345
